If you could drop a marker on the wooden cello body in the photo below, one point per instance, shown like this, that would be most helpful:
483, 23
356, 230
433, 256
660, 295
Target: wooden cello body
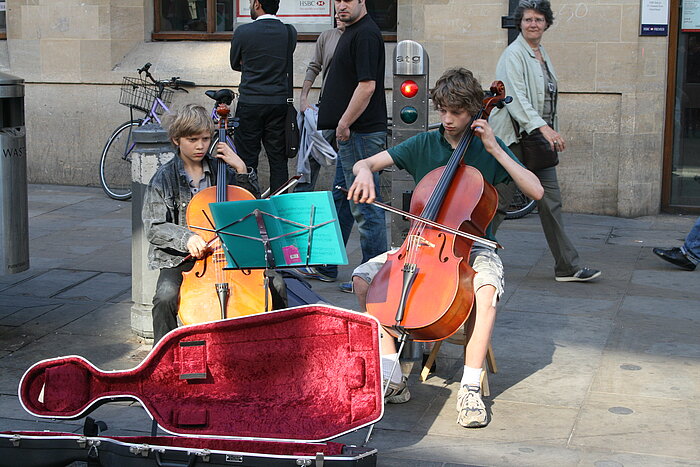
424, 291
209, 292
440, 295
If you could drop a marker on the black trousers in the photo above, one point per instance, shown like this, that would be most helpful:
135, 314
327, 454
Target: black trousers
263, 123
165, 300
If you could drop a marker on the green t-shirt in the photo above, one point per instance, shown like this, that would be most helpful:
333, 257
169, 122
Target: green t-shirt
425, 152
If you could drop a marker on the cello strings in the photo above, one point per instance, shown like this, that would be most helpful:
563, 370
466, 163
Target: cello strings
432, 207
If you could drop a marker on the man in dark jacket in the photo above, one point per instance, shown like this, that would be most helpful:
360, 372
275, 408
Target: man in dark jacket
259, 51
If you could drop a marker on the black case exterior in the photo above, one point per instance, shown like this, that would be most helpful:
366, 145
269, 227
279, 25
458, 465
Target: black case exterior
28, 450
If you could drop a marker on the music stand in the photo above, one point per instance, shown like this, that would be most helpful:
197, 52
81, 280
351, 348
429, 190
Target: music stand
290, 230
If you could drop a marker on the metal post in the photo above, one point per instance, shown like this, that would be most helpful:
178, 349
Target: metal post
409, 118
152, 149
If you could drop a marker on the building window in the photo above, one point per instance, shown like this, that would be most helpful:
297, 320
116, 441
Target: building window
383, 12
214, 19
193, 19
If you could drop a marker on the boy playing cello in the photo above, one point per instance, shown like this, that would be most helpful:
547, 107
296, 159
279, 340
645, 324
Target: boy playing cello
457, 96
165, 205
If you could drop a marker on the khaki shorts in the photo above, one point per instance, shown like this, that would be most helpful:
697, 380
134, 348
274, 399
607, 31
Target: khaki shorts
484, 260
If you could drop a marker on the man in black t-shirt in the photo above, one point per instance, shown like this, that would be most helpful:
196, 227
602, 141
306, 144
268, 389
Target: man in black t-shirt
354, 106
259, 52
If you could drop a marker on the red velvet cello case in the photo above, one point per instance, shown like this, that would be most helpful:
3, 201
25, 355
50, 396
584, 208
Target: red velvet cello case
261, 390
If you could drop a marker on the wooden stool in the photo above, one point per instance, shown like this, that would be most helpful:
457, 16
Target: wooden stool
489, 362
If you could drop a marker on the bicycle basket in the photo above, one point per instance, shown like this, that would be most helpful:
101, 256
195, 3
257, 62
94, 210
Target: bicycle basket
140, 94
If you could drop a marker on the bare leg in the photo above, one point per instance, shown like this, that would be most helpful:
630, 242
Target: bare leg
479, 327
471, 411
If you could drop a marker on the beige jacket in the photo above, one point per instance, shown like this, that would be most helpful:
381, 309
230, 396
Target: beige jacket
522, 75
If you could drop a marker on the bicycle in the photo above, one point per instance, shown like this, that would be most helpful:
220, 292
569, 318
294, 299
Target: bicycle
150, 97
520, 205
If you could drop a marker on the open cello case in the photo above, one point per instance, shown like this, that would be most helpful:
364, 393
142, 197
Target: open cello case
263, 390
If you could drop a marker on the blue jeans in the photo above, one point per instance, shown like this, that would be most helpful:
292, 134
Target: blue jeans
691, 247
345, 218
165, 300
370, 219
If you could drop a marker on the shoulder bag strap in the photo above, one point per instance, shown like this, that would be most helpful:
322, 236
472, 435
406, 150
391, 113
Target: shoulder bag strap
290, 82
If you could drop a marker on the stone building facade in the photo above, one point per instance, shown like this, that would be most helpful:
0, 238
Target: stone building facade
74, 53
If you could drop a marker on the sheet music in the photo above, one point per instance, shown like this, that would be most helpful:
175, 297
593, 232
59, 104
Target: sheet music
290, 226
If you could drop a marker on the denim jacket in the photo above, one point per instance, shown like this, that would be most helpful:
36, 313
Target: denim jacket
165, 208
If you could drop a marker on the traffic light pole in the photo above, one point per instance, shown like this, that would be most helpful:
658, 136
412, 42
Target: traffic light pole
410, 91
409, 117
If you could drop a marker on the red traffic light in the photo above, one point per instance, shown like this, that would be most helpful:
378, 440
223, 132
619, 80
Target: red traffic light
409, 88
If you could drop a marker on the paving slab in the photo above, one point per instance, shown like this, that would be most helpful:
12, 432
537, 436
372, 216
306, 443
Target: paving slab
9, 382
525, 423
20, 314
104, 258
534, 300
638, 425
10, 304
103, 287
50, 283
106, 351
14, 338
53, 319
109, 318
651, 335
664, 282
633, 373
12, 424
647, 238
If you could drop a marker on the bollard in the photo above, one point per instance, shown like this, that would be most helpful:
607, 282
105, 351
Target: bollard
14, 216
152, 149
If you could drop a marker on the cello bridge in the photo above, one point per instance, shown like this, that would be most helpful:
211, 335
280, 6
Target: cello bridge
418, 241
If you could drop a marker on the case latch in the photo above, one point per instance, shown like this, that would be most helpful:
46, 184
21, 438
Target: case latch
306, 462
204, 454
141, 450
15, 440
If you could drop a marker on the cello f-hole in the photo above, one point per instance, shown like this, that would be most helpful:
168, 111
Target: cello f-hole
201, 273
443, 258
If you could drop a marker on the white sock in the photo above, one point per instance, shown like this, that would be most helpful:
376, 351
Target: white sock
388, 364
471, 377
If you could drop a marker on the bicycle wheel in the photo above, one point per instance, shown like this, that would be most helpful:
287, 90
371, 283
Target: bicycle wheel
115, 163
520, 206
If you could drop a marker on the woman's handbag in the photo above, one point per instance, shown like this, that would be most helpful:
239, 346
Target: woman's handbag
291, 126
537, 153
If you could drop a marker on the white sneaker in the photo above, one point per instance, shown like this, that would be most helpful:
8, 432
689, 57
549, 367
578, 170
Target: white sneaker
471, 411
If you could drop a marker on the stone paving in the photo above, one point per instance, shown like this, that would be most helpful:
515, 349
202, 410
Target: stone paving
597, 374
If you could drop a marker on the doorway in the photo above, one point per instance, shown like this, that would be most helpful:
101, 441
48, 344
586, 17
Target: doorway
685, 159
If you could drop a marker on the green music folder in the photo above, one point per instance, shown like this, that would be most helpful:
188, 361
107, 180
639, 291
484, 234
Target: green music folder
302, 229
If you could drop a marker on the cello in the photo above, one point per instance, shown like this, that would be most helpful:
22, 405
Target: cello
209, 292
424, 290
